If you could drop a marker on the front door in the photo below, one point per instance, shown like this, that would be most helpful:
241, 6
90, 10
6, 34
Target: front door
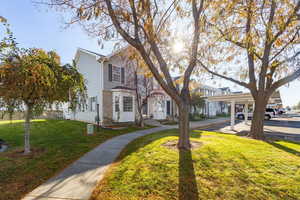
168, 107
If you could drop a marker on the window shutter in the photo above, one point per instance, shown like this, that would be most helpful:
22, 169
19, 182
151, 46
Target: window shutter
122, 75
110, 72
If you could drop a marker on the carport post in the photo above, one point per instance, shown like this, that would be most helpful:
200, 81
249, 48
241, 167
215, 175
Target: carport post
246, 113
232, 114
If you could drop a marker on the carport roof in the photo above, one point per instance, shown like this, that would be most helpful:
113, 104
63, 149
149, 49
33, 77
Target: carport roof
244, 97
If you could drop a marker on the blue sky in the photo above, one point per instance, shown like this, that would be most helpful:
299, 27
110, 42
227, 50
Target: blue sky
43, 28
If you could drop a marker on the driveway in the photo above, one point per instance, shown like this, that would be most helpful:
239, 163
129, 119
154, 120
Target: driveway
282, 127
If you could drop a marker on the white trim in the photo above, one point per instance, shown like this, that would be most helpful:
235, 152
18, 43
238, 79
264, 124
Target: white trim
101, 91
241, 97
87, 52
232, 114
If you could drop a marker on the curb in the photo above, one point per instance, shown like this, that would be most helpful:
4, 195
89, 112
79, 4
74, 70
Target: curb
210, 125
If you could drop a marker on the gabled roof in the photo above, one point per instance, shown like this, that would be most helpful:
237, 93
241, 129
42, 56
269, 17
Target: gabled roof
118, 51
91, 52
98, 55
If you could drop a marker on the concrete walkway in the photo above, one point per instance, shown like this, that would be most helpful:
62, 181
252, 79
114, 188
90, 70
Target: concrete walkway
78, 181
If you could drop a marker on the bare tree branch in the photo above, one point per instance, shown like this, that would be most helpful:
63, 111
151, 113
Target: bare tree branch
286, 45
287, 23
285, 80
195, 42
250, 48
224, 77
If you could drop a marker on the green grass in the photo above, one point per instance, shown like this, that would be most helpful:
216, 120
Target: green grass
223, 167
55, 144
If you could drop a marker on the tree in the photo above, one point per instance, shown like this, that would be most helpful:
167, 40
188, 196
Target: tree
150, 27
11, 106
197, 100
264, 34
37, 79
7, 43
297, 106
138, 77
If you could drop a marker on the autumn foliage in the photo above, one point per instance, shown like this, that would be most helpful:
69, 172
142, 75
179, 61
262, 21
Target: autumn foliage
37, 80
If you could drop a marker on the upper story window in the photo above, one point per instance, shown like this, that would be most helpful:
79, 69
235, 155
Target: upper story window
116, 74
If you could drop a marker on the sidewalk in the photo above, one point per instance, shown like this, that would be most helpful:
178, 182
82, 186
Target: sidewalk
78, 181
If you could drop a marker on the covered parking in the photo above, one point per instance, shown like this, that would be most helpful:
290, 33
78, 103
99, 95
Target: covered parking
242, 98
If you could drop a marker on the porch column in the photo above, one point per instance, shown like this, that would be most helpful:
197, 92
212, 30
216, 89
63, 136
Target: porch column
246, 113
232, 115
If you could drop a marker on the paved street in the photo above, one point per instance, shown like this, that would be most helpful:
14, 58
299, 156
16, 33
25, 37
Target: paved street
283, 127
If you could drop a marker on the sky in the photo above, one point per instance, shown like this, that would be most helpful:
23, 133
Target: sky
41, 27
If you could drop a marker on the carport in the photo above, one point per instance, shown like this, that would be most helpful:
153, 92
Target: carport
241, 98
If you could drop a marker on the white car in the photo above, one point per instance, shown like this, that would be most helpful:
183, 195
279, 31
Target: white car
270, 113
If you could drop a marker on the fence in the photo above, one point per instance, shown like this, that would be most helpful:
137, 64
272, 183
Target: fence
44, 115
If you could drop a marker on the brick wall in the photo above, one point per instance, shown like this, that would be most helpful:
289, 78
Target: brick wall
107, 107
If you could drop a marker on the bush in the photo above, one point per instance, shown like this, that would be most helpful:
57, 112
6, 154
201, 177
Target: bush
223, 115
196, 116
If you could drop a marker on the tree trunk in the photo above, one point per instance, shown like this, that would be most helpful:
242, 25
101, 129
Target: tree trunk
184, 127
27, 130
257, 125
141, 121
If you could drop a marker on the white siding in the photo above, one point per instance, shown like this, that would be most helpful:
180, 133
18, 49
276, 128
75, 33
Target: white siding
90, 68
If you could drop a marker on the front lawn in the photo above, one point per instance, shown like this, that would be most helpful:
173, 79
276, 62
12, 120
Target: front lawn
55, 144
221, 166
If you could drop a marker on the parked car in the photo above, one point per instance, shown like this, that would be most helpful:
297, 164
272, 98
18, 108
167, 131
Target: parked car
281, 111
274, 111
270, 113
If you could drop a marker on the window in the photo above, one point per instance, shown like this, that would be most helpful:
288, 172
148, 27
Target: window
116, 74
127, 104
117, 104
168, 107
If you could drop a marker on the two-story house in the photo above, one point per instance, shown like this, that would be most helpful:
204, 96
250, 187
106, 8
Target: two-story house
108, 98
111, 95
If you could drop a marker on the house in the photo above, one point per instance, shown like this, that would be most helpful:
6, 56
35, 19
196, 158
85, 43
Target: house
161, 105
111, 94
108, 98
214, 108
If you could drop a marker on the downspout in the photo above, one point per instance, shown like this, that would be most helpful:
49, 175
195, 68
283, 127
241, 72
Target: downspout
101, 60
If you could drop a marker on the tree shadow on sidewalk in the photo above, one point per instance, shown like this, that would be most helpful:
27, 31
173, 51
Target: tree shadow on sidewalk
188, 189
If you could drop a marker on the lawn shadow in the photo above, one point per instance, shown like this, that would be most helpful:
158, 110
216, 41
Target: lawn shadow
187, 188
285, 148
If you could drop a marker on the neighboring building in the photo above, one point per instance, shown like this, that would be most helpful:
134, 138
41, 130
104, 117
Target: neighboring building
160, 104
111, 96
213, 108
